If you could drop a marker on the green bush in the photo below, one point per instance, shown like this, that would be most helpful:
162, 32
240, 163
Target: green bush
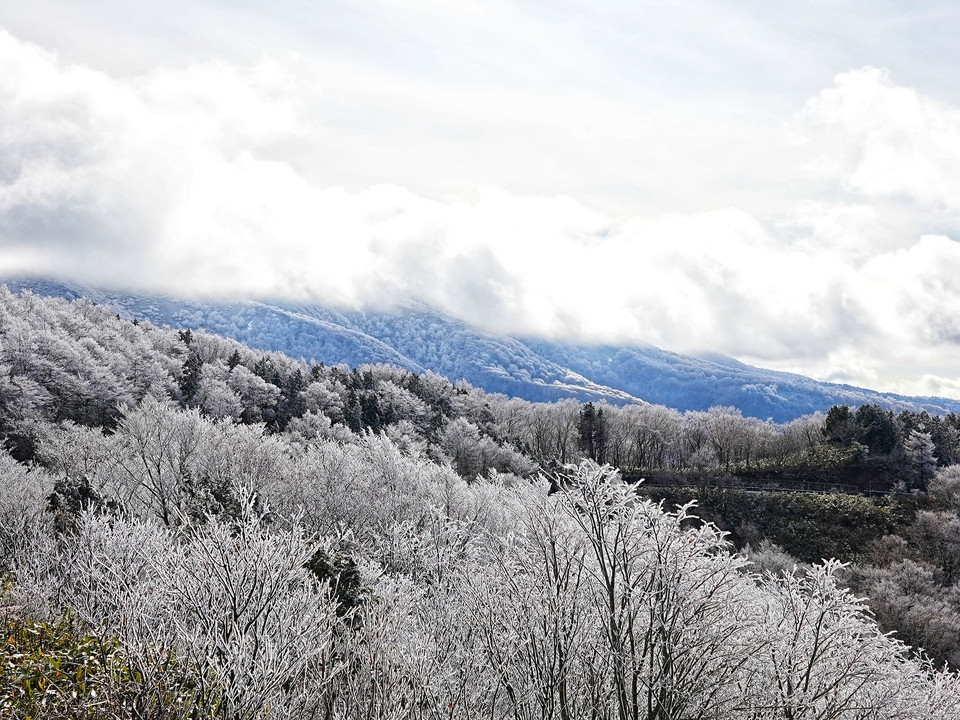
809, 526
54, 670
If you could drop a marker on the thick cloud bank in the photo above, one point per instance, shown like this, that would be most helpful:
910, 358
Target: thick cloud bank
208, 179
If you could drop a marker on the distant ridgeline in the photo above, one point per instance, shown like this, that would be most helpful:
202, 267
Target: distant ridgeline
420, 339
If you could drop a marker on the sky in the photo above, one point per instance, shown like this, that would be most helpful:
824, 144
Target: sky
779, 182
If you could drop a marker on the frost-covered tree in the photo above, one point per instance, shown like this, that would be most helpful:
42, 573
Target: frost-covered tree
214, 396
919, 448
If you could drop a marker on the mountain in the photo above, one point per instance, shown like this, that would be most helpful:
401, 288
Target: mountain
697, 383
421, 339
417, 339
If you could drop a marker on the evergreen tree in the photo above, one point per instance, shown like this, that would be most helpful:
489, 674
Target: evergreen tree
190, 379
234, 360
839, 426
593, 433
919, 451
876, 429
291, 404
353, 412
370, 415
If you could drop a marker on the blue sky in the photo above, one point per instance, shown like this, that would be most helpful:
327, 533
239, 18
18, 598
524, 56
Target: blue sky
775, 181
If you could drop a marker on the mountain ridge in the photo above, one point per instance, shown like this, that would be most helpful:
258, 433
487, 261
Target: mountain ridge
421, 339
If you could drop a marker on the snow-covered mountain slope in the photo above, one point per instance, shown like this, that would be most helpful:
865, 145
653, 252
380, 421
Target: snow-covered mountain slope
421, 339
415, 339
697, 383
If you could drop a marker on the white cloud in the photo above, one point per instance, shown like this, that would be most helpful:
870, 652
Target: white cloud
885, 140
220, 178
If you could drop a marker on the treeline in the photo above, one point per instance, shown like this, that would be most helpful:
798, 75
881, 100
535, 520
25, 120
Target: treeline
77, 363
914, 444
62, 361
870, 448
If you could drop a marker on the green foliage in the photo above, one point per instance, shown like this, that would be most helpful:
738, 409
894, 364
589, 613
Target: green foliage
55, 670
876, 429
839, 426
47, 668
830, 456
883, 435
809, 526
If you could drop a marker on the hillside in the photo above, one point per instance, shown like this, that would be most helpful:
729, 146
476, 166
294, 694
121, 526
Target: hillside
193, 528
420, 338
698, 383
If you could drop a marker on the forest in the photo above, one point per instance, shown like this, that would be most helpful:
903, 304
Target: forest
191, 528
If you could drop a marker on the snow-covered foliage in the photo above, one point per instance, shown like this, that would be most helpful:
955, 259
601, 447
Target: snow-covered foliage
488, 600
255, 537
